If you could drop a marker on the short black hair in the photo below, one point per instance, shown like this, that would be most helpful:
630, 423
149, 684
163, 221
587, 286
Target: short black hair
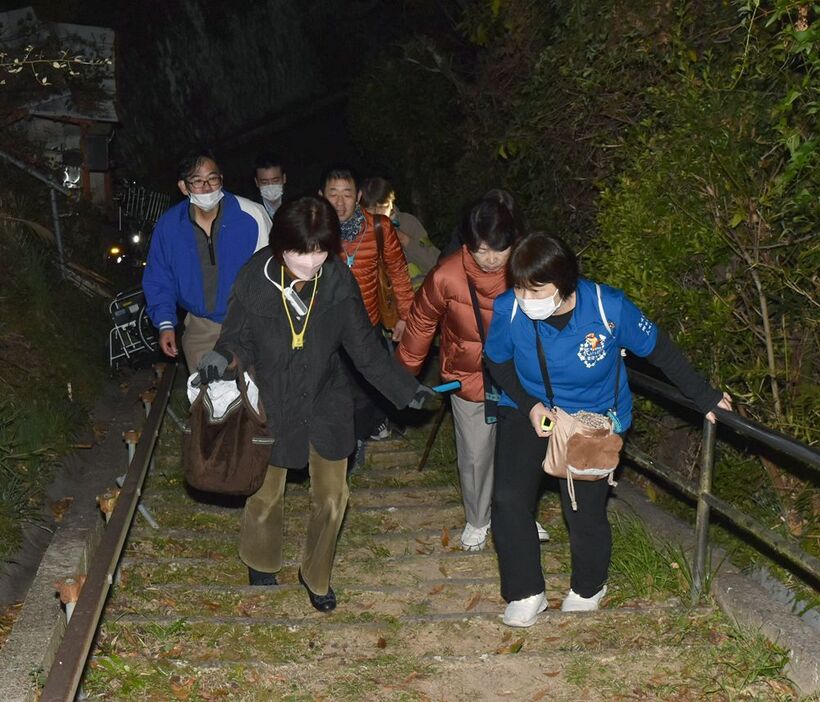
490, 223
193, 160
306, 224
269, 160
376, 191
505, 198
339, 171
539, 259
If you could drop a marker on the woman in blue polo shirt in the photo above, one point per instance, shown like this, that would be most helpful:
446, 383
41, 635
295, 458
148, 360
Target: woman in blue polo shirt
582, 357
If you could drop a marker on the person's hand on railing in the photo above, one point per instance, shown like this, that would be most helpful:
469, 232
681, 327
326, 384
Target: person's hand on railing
724, 404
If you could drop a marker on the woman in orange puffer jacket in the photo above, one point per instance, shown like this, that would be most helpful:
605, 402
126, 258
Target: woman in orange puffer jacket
444, 300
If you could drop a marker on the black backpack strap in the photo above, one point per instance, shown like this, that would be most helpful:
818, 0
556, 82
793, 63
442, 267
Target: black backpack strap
476, 310
542, 360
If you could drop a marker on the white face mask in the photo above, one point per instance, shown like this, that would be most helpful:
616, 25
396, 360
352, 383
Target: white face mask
538, 308
206, 201
304, 266
272, 193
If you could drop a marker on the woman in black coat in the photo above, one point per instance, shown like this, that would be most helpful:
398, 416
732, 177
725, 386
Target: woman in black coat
292, 308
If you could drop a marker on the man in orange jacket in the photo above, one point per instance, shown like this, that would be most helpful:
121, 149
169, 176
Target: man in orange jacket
340, 187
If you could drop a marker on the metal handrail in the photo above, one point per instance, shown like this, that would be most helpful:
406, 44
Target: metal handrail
706, 501
66, 671
746, 427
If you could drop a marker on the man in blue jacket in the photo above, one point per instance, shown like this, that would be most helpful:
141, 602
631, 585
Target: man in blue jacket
197, 250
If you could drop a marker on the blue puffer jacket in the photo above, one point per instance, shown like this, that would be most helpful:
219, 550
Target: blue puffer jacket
173, 275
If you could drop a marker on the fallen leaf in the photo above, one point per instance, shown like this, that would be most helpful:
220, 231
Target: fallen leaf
181, 688
717, 637
445, 537
410, 677
436, 589
60, 507
443, 571
474, 600
513, 647
381, 643
100, 431
553, 673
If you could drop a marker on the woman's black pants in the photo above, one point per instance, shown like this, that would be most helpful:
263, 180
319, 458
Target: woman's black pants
519, 453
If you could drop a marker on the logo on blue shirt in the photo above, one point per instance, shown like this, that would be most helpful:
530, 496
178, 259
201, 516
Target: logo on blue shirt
592, 349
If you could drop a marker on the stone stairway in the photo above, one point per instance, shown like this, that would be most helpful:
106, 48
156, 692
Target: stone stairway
418, 619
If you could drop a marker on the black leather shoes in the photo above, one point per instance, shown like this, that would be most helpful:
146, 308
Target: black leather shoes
256, 577
324, 603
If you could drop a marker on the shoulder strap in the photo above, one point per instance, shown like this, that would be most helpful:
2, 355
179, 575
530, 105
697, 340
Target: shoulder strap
601, 311
476, 309
377, 228
621, 352
542, 360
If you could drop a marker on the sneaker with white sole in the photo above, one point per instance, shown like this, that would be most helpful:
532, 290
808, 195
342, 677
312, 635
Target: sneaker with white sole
474, 538
381, 432
573, 602
543, 534
524, 613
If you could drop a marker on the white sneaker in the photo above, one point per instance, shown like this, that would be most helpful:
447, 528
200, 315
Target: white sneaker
573, 602
543, 534
381, 432
474, 538
523, 613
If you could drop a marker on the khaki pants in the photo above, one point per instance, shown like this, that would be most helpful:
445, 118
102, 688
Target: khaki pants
475, 445
199, 337
260, 541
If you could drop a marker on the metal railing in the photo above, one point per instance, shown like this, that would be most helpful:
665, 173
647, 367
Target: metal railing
66, 672
702, 492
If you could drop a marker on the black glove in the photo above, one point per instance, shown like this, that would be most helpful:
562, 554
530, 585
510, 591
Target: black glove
423, 395
212, 367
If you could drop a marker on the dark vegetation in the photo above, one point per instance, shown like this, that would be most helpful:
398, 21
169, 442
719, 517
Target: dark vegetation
52, 365
674, 143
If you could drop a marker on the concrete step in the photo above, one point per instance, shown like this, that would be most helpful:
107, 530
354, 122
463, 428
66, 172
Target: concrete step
469, 633
412, 569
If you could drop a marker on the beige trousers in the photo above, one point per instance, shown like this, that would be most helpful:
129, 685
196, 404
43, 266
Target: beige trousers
475, 449
199, 337
261, 535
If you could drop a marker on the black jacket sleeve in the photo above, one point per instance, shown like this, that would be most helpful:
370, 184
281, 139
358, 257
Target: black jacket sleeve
505, 376
668, 356
235, 337
371, 359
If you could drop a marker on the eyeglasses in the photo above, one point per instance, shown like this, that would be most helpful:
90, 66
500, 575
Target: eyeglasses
213, 180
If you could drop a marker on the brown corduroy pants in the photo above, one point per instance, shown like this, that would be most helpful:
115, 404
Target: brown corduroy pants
261, 535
